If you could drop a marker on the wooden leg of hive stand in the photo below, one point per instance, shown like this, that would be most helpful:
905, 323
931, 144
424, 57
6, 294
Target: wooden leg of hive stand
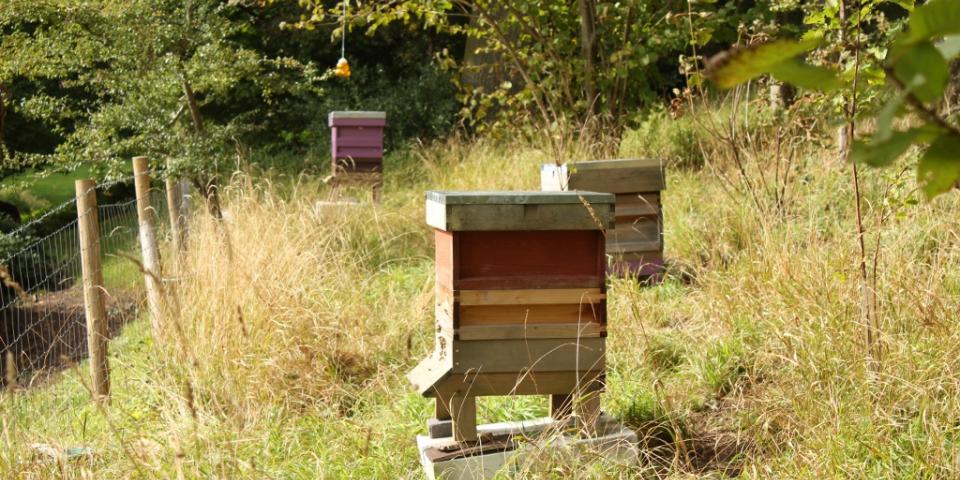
464, 413
442, 410
377, 189
560, 406
588, 411
440, 425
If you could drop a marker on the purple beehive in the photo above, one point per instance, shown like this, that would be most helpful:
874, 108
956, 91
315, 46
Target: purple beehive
357, 141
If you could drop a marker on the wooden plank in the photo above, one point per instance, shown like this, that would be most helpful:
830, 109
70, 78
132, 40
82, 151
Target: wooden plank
637, 204
530, 296
587, 408
463, 412
546, 330
359, 134
615, 164
532, 281
530, 198
546, 259
431, 370
359, 152
357, 114
525, 383
615, 248
637, 232
344, 166
648, 256
529, 314
546, 355
360, 141
444, 259
561, 406
615, 178
521, 217
441, 410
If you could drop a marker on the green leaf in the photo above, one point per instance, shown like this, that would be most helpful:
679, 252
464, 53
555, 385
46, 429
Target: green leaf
886, 116
936, 18
905, 4
939, 166
803, 75
703, 36
949, 47
923, 70
731, 68
883, 152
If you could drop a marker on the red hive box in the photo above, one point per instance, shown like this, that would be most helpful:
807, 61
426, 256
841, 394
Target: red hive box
356, 139
521, 301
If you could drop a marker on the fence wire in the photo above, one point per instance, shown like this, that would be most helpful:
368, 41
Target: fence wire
42, 317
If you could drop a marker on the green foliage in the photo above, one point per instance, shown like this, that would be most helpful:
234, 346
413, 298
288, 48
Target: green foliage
916, 64
531, 60
663, 352
97, 81
728, 70
922, 69
677, 141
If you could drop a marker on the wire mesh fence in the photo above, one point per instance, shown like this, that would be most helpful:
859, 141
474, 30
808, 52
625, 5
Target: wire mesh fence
42, 317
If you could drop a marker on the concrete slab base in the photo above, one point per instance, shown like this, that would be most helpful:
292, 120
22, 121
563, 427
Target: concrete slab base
505, 447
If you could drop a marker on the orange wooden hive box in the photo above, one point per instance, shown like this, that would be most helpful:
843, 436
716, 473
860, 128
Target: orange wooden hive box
521, 299
635, 246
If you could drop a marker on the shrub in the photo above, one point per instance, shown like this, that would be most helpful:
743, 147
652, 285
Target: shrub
677, 141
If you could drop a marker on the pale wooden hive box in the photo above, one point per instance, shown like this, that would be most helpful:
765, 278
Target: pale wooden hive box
635, 246
520, 294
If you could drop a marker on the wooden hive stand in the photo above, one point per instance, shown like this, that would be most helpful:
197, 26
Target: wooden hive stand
520, 303
356, 141
635, 246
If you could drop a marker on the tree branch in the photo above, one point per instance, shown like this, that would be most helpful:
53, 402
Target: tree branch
924, 111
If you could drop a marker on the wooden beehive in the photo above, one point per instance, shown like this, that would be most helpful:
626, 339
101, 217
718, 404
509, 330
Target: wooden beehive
521, 302
356, 139
635, 246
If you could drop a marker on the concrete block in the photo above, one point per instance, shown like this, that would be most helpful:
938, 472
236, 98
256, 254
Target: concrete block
504, 446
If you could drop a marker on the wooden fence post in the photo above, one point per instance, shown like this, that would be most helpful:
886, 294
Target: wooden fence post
174, 207
96, 312
148, 239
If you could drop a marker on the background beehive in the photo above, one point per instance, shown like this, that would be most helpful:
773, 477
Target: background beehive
635, 245
356, 140
520, 285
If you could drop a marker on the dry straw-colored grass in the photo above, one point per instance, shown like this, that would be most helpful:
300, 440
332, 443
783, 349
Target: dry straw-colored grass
297, 321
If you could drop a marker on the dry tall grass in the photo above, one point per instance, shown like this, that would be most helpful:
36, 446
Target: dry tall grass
297, 321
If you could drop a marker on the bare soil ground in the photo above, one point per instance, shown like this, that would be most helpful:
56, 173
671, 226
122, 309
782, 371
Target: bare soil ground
50, 333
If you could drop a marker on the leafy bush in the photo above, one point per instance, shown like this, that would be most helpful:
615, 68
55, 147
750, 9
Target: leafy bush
675, 140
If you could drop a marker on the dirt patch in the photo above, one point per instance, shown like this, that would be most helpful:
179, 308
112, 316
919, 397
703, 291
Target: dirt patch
49, 332
708, 441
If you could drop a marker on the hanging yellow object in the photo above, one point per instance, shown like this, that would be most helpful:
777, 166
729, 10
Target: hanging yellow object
343, 69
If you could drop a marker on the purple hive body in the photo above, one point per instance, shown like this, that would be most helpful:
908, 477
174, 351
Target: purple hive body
357, 140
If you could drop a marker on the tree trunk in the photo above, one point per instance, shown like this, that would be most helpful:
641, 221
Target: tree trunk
192, 105
588, 40
488, 70
209, 187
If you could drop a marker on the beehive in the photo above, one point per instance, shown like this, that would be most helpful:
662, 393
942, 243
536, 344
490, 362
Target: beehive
357, 141
635, 246
520, 298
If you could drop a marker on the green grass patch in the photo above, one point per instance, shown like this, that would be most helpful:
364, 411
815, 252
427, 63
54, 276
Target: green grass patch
35, 191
